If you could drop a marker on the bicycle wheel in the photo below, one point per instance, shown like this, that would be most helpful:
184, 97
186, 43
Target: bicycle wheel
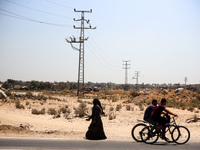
136, 131
180, 135
168, 133
149, 135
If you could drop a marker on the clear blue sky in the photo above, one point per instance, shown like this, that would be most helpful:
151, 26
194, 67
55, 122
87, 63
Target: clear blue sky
161, 38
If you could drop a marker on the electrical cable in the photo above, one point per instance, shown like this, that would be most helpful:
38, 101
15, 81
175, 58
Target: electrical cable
99, 60
33, 20
99, 53
101, 50
59, 4
37, 9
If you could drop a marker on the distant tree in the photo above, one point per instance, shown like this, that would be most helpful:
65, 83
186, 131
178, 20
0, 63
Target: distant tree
73, 86
45, 86
34, 85
11, 81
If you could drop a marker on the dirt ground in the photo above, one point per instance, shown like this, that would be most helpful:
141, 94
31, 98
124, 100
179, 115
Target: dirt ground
16, 122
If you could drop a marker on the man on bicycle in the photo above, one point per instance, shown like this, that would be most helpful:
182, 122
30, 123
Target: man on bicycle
148, 111
156, 115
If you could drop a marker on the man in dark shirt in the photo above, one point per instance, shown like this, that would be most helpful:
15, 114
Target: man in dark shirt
148, 111
156, 115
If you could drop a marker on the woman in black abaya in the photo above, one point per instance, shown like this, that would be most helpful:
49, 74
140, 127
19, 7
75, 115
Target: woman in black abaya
95, 130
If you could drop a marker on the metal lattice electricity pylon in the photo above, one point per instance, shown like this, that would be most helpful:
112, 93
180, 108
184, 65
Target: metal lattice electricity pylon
136, 77
126, 72
81, 40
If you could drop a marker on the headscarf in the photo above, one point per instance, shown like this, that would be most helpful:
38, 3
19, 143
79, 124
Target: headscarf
97, 102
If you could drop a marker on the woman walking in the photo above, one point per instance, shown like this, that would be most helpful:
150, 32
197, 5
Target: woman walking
95, 130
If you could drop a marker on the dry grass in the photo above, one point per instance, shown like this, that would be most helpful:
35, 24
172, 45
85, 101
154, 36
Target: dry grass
128, 107
19, 105
80, 111
118, 107
52, 111
111, 116
111, 108
38, 112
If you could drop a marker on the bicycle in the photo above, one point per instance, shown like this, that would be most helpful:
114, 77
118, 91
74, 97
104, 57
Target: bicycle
173, 133
136, 130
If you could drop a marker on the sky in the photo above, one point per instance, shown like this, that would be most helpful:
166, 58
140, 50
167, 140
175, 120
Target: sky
159, 38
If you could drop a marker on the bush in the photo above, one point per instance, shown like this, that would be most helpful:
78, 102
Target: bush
141, 107
38, 112
8, 93
114, 99
64, 110
52, 111
190, 109
80, 101
128, 107
81, 110
112, 116
41, 97
195, 118
29, 95
66, 115
18, 105
104, 106
27, 103
111, 108
118, 107
195, 103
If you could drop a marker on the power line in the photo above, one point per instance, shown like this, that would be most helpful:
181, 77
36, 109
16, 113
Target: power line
101, 50
59, 4
29, 19
100, 55
37, 9
11, 16
99, 59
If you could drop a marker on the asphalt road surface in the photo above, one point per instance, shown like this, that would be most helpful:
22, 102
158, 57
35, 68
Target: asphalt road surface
82, 144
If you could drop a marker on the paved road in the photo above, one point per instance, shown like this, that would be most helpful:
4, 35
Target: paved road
81, 144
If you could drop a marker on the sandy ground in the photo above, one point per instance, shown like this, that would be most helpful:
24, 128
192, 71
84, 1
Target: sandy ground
75, 127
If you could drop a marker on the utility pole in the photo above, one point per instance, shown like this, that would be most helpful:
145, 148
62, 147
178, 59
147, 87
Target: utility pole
126, 72
186, 79
81, 40
136, 77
